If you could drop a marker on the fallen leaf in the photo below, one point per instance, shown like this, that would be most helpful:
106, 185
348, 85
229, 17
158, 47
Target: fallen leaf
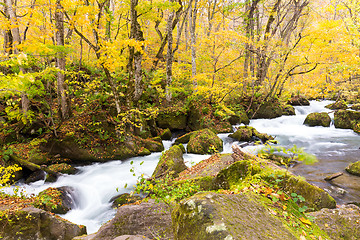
305, 221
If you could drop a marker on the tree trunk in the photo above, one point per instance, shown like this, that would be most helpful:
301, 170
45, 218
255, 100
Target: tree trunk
15, 32
169, 57
64, 104
192, 26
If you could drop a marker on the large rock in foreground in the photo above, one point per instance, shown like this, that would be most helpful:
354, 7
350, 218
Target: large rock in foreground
354, 168
212, 216
339, 223
204, 142
35, 224
148, 219
318, 119
171, 162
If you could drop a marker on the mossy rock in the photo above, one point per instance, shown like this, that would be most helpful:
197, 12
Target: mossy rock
239, 117
315, 197
354, 168
144, 152
31, 224
204, 142
214, 216
340, 223
184, 138
356, 107
194, 117
288, 110
174, 119
62, 168
153, 145
337, 105
171, 162
268, 110
318, 119
56, 200
346, 119
235, 172
222, 127
299, 101
123, 199
247, 134
166, 134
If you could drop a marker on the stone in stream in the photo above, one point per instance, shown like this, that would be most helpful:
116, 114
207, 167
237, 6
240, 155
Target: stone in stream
337, 105
32, 224
318, 119
347, 119
299, 101
354, 168
204, 142
247, 134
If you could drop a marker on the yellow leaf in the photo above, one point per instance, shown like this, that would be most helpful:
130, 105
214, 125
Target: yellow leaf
305, 221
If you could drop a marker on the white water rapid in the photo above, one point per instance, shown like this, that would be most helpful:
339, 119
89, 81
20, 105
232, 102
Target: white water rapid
96, 184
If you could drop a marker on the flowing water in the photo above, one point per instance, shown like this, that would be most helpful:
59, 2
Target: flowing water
335, 148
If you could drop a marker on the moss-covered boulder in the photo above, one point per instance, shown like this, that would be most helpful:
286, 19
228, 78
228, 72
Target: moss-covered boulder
184, 138
166, 134
213, 216
247, 134
356, 107
239, 117
153, 145
56, 200
172, 118
62, 168
268, 110
148, 219
32, 224
354, 168
318, 119
204, 142
288, 110
339, 223
123, 199
337, 105
171, 162
299, 101
346, 119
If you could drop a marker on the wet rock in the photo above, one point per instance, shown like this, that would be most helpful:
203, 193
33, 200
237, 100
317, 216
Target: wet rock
354, 168
204, 142
144, 152
153, 145
268, 110
299, 101
247, 134
166, 134
239, 117
347, 119
318, 119
36, 176
123, 199
32, 224
288, 110
337, 105
339, 223
148, 219
174, 119
213, 216
57, 200
184, 138
62, 168
171, 162
131, 237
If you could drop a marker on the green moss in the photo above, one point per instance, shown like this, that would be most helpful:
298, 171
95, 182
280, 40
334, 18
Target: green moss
346, 119
288, 110
337, 105
184, 138
246, 133
318, 119
62, 168
204, 142
354, 168
172, 118
166, 134
171, 162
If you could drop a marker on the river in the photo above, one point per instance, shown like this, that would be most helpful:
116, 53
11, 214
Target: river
335, 148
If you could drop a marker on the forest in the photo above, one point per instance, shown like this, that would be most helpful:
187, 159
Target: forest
89, 81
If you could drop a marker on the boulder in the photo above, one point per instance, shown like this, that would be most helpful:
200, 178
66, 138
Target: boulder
339, 223
62, 168
247, 134
148, 219
288, 110
347, 119
35, 176
204, 142
318, 119
356, 107
299, 101
184, 138
131, 237
239, 117
123, 199
153, 145
57, 200
268, 110
354, 168
174, 119
166, 134
32, 224
213, 216
171, 162
337, 105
